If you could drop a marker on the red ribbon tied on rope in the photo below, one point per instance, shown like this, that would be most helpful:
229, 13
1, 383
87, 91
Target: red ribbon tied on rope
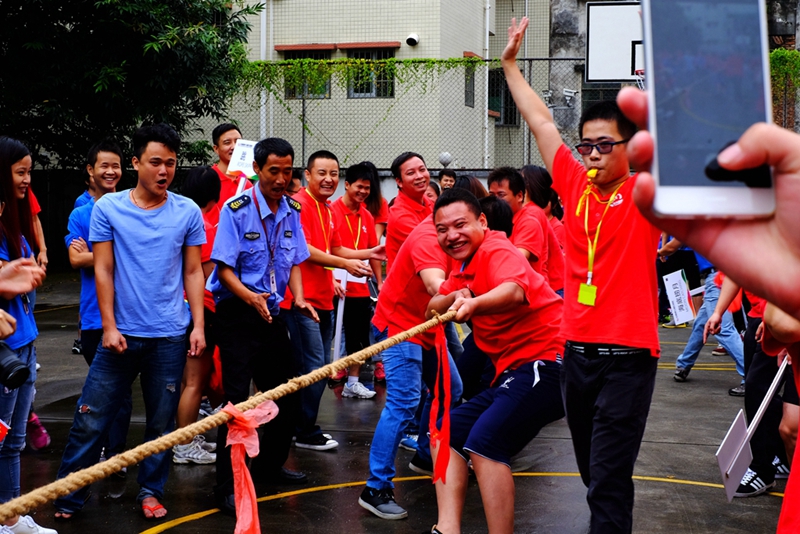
242, 437
440, 437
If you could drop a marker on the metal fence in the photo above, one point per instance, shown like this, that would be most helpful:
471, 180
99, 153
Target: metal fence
466, 112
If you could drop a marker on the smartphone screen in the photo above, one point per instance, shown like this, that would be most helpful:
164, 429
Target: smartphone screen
708, 77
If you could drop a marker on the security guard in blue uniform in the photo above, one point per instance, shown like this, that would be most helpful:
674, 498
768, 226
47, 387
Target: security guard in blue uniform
258, 249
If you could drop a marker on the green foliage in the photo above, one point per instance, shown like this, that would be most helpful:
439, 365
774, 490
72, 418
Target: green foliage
784, 67
77, 71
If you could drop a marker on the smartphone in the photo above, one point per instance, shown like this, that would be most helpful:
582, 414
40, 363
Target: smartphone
707, 76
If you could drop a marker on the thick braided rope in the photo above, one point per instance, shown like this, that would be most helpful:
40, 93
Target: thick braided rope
32, 500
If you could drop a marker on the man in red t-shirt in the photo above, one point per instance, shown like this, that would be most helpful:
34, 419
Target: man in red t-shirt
356, 228
610, 295
420, 268
532, 234
515, 320
312, 339
410, 206
224, 139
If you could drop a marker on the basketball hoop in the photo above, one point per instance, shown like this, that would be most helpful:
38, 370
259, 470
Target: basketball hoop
639, 75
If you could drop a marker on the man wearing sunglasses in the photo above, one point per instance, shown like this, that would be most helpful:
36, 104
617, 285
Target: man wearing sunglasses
610, 295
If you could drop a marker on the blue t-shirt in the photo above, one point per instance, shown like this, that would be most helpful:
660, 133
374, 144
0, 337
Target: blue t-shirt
148, 260
16, 307
82, 200
242, 245
78, 226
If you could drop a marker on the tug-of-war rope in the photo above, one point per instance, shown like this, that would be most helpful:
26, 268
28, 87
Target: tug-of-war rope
77, 480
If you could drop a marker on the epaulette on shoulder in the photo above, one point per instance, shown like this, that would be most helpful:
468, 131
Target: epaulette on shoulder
239, 202
293, 203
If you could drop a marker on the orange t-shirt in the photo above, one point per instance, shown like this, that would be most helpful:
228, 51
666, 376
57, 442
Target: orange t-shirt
205, 255
519, 334
404, 215
404, 299
320, 231
356, 231
558, 229
626, 307
228, 187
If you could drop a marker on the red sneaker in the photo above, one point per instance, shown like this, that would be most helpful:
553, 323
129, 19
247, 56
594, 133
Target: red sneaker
38, 438
379, 373
340, 376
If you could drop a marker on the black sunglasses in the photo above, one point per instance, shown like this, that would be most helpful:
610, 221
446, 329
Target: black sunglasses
603, 147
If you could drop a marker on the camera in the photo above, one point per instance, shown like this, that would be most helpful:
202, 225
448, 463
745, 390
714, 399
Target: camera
13, 373
412, 40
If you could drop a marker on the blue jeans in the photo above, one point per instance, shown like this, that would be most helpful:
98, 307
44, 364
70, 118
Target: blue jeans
404, 377
159, 363
728, 337
312, 349
15, 406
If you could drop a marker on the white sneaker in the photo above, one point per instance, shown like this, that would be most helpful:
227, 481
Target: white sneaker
26, 525
192, 453
357, 390
208, 446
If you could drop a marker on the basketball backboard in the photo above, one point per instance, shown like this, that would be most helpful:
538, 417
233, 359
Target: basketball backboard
614, 50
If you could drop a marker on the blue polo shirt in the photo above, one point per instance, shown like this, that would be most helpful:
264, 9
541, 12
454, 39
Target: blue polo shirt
26, 324
82, 200
148, 260
242, 244
78, 226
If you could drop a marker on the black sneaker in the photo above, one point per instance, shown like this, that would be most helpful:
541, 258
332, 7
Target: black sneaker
738, 391
752, 485
381, 503
76, 346
781, 469
320, 442
681, 374
418, 465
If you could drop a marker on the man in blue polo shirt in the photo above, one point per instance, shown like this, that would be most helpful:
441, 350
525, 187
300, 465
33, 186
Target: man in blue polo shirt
104, 165
258, 250
146, 244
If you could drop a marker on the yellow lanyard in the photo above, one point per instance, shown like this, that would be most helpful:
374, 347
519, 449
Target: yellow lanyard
322, 223
357, 236
592, 246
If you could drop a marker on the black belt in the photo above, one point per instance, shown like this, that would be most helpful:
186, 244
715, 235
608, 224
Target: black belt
596, 350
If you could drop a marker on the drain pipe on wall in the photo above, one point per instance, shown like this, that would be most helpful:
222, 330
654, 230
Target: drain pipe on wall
486, 91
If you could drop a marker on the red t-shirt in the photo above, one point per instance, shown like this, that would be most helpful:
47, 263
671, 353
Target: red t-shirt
205, 255
626, 308
558, 228
519, 334
356, 231
404, 299
319, 228
36, 209
383, 215
529, 235
404, 215
757, 305
228, 187
555, 255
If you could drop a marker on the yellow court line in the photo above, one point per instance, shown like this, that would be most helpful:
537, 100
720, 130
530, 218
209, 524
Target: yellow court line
672, 368
55, 309
199, 515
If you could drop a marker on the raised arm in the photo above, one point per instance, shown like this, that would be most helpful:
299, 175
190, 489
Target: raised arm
532, 108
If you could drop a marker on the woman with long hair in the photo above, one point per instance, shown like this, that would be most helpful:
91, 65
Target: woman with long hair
375, 202
16, 229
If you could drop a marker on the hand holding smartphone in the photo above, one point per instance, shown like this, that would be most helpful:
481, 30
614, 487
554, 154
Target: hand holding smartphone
707, 74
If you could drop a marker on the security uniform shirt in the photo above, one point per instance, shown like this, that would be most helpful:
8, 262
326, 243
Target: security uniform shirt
243, 245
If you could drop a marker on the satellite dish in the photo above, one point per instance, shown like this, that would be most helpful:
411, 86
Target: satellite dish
445, 159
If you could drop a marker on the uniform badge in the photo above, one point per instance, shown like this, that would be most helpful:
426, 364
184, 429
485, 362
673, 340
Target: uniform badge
287, 233
252, 236
293, 203
239, 202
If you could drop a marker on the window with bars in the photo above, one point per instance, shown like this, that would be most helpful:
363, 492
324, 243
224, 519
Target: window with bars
378, 83
500, 100
469, 87
296, 91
